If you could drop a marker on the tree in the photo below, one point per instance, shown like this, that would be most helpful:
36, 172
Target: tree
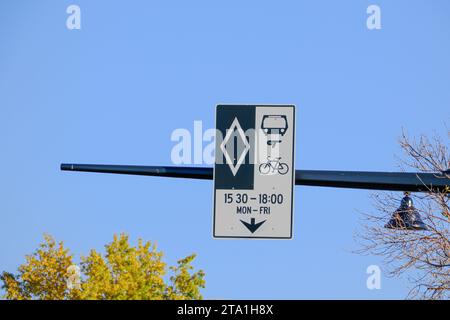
423, 255
123, 272
43, 276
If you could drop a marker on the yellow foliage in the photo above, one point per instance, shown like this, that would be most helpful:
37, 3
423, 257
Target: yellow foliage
124, 272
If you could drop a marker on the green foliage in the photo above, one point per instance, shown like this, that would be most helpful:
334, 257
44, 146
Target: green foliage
124, 272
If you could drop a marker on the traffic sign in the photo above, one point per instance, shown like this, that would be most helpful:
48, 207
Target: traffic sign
254, 172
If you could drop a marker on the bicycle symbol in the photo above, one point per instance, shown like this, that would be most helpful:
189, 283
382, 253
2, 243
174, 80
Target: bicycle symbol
273, 166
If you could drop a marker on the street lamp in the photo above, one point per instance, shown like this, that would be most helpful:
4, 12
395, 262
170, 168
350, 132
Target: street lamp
406, 217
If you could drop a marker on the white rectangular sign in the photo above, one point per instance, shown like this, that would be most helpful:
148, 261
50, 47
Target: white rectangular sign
254, 172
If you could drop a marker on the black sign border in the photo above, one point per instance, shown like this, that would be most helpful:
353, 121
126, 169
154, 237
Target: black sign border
292, 176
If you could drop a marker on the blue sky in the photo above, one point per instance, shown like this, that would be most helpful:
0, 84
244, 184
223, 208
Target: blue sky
114, 91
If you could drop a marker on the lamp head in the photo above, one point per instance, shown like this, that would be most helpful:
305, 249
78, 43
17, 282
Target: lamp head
406, 217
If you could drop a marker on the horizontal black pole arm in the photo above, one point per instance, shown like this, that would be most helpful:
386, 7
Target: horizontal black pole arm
390, 181
158, 171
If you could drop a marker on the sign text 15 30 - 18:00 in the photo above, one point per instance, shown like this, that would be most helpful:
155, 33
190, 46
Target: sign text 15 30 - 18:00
262, 198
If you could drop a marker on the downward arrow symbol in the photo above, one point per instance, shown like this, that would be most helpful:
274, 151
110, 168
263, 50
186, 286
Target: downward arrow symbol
252, 226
